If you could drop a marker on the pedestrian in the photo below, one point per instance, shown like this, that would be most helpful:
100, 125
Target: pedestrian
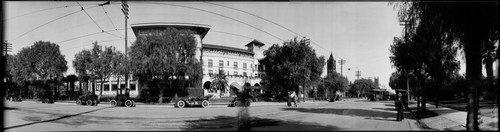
292, 96
399, 107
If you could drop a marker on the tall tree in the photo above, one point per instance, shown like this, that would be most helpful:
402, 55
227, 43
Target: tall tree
362, 86
292, 65
81, 63
468, 23
334, 82
42, 61
162, 54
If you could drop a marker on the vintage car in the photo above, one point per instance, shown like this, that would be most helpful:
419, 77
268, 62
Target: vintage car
89, 99
197, 99
123, 100
47, 97
244, 97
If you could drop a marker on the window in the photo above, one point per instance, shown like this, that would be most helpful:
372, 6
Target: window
132, 87
106, 87
244, 66
98, 87
235, 73
256, 67
235, 65
227, 63
122, 86
221, 64
210, 63
114, 87
245, 74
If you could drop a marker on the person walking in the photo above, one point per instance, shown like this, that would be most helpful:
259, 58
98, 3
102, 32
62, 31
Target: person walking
292, 97
399, 107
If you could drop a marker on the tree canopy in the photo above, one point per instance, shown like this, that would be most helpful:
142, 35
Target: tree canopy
292, 65
469, 24
162, 54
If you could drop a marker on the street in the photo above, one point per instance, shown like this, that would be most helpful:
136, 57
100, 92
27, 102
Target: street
349, 114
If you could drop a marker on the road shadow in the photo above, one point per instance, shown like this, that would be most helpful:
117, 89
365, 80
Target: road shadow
9, 108
229, 123
51, 120
346, 112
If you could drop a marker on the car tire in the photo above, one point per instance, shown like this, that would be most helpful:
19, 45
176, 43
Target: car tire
47, 100
205, 103
236, 103
128, 103
112, 103
247, 103
181, 104
79, 102
89, 102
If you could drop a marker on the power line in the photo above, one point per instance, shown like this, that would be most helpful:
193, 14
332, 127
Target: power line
272, 23
38, 11
88, 35
105, 12
50, 22
90, 17
238, 35
221, 16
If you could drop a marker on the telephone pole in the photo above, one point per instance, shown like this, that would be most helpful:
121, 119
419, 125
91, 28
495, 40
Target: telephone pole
125, 12
341, 63
406, 23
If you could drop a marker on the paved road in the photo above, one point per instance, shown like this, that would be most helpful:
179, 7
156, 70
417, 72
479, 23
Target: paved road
351, 114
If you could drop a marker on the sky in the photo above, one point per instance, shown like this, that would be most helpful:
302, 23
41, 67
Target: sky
359, 32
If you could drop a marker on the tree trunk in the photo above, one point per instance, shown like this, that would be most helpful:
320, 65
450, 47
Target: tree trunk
93, 86
160, 100
473, 75
80, 86
102, 87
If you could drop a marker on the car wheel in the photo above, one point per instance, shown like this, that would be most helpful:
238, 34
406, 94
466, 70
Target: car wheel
128, 103
205, 103
247, 103
236, 103
112, 103
79, 102
89, 102
46, 100
181, 104
95, 102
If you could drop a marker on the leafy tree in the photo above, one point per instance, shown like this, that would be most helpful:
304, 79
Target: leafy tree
471, 25
292, 65
81, 63
334, 82
219, 82
43, 62
162, 54
362, 86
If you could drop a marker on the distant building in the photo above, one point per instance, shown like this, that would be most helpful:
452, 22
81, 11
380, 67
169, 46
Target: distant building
331, 64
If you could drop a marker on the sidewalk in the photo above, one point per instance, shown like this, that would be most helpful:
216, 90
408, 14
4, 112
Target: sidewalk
447, 119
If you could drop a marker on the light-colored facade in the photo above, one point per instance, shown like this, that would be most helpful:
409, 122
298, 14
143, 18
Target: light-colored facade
241, 66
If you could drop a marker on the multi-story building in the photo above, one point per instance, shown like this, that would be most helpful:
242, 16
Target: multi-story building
240, 65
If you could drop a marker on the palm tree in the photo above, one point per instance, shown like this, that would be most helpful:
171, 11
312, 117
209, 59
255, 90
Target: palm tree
219, 82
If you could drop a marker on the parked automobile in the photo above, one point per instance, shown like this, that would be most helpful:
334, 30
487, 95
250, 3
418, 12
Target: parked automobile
122, 100
89, 99
195, 99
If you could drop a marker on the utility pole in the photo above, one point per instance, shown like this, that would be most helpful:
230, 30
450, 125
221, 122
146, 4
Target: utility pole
125, 12
341, 63
406, 23
358, 73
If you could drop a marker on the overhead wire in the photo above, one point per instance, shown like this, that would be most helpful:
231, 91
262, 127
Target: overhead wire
221, 16
105, 12
37, 11
90, 16
272, 23
49, 23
